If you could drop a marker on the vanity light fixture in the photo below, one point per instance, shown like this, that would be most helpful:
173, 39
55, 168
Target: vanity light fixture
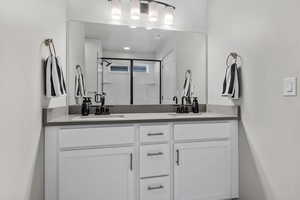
150, 8
153, 12
169, 16
132, 26
126, 48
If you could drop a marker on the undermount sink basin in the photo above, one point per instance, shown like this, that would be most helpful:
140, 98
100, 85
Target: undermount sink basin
95, 117
184, 114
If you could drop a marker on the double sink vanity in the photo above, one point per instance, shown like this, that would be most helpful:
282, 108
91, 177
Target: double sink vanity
142, 156
132, 145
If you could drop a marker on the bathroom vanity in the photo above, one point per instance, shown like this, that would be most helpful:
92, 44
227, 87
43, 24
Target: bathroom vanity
139, 155
158, 156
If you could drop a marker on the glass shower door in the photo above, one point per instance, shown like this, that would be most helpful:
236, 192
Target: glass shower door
116, 82
146, 82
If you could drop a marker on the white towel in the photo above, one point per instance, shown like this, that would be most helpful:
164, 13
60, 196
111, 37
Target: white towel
231, 84
188, 86
80, 86
55, 81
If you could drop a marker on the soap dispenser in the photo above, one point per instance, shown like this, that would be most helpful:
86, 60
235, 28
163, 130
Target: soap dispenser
195, 105
85, 107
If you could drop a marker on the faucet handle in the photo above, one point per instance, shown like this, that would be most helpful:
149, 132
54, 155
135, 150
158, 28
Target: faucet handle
182, 99
175, 98
102, 100
98, 97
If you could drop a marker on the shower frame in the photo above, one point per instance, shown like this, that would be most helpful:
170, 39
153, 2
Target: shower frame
131, 60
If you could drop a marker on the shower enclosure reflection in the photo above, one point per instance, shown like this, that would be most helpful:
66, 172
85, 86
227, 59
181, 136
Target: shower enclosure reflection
130, 81
135, 66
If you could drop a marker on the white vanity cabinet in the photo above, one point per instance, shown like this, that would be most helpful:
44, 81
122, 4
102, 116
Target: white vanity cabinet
155, 161
96, 174
202, 171
147, 161
206, 161
90, 163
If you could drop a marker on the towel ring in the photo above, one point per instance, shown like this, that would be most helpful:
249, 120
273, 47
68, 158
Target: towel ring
235, 57
188, 72
49, 43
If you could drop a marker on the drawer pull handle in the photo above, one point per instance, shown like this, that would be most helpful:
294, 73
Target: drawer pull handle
177, 158
131, 161
155, 154
155, 134
156, 187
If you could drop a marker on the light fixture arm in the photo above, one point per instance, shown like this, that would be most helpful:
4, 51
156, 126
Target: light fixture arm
161, 3
158, 2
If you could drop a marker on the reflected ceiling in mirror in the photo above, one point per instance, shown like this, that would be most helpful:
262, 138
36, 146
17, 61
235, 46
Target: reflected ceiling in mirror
116, 38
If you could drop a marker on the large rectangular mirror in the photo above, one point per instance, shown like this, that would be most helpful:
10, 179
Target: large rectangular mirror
134, 65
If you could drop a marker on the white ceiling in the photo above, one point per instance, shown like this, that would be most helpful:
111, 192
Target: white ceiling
115, 37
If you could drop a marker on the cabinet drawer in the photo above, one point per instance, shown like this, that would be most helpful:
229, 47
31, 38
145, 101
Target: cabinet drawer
155, 189
198, 131
85, 137
155, 133
155, 160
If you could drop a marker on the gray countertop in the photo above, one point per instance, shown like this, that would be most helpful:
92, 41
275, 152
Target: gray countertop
76, 119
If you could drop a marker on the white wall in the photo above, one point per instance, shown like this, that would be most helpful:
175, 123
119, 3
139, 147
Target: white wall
191, 55
265, 33
93, 51
24, 25
76, 55
167, 53
81, 51
190, 14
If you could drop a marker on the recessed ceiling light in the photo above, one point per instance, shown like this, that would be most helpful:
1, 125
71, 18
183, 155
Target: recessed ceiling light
126, 48
133, 27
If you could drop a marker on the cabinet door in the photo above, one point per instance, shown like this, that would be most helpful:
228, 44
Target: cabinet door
202, 171
97, 174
